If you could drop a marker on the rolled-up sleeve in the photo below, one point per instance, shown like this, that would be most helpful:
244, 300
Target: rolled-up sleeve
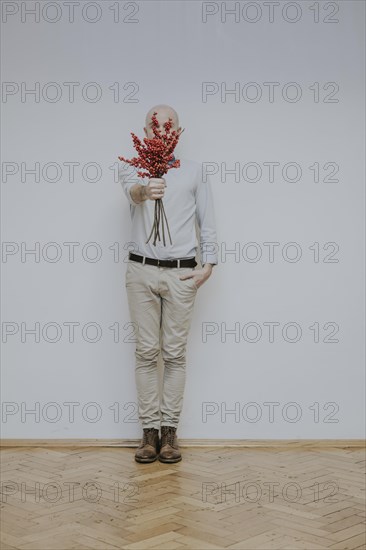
205, 214
127, 177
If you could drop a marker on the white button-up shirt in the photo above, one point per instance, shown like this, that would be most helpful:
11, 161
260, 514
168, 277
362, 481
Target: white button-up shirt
187, 198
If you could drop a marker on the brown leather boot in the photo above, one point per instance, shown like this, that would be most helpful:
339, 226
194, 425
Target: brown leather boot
169, 451
149, 447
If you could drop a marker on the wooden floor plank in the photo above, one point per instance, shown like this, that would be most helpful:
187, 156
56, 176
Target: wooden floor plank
212, 499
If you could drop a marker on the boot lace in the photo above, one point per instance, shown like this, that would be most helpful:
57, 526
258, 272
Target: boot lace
168, 434
149, 436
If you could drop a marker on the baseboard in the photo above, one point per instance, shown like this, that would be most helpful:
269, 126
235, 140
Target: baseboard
244, 443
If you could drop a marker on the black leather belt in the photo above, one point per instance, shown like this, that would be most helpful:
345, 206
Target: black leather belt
180, 262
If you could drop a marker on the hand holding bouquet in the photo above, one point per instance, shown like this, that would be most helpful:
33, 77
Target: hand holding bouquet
155, 155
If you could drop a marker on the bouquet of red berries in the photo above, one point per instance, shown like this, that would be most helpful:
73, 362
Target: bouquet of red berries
155, 155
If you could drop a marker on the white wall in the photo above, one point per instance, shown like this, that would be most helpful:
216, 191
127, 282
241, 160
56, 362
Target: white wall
168, 53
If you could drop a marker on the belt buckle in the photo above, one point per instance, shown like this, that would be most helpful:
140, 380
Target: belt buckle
178, 262
143, 260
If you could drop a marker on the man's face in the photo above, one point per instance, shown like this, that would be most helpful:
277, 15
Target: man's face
162, 117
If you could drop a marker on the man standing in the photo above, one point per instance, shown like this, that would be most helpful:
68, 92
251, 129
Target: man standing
161, 284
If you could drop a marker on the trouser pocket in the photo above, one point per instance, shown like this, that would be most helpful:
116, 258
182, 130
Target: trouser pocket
183, 271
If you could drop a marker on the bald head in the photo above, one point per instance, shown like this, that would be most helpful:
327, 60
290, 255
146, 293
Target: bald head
164, 112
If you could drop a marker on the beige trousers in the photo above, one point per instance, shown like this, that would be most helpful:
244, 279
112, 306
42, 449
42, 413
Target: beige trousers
161, 307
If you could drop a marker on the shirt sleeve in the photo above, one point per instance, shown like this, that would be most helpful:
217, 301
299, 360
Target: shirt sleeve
127, 177
205, 215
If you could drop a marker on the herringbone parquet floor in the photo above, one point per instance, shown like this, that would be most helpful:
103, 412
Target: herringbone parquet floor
215, 498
